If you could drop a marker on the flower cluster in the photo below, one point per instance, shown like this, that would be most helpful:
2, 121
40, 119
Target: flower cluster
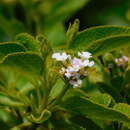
121, 61
74, 68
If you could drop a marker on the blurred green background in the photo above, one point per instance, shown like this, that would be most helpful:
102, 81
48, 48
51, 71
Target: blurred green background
52, 17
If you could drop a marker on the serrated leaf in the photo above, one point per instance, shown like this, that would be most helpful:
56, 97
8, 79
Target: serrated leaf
87, 37
28, 41
108, 44
10, 47
86, 107
28, 62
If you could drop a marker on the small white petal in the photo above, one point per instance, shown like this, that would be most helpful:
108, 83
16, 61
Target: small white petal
68, 75
91, 63
72, 69
86, 63
55, 55
79, 82
75, 85
76, 68
76, 61
85, 55
60, 57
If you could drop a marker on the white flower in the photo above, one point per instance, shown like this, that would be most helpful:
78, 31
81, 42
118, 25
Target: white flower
61, 57
74, 68
85, 55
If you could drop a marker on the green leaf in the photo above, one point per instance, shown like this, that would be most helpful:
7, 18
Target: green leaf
4, 100
28, 41
72, 31
10, 47
108, 44
125, 109
28, 62
86, 107
87, 37
103, 99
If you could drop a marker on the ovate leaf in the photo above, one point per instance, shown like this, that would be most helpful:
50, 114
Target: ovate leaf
28, 62
10, 47
87, 37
